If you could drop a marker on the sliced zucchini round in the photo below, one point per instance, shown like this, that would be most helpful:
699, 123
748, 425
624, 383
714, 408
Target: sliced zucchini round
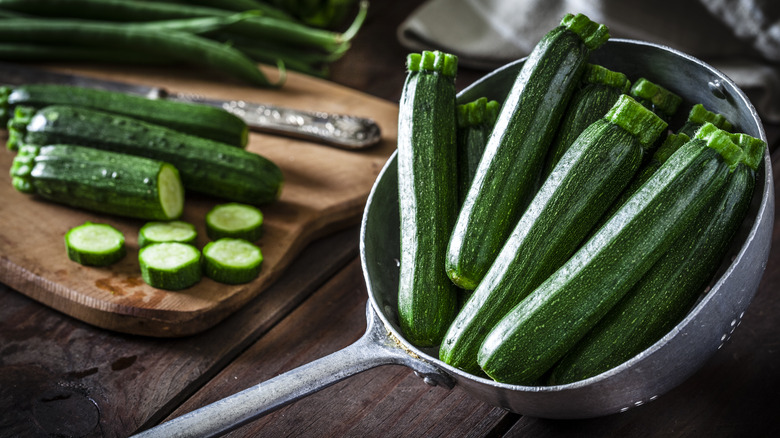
167, 231
232, 261
170, 265
238, 221
94, 244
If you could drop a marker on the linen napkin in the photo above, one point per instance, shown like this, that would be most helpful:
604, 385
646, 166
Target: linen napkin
741, 38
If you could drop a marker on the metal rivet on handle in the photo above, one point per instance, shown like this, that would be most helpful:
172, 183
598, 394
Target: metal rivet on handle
427, 379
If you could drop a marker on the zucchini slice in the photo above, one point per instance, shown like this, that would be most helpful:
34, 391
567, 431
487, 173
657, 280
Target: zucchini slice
239, 221
93, 244
232, 261
167, 231
170, 265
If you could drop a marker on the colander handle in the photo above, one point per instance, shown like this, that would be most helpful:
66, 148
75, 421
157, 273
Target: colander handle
376, 347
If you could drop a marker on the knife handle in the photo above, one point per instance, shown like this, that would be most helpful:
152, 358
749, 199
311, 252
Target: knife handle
343, 131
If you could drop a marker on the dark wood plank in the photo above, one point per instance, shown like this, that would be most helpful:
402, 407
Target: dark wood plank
384, 401
60, 375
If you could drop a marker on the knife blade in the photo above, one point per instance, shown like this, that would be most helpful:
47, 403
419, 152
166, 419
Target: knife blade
338, 130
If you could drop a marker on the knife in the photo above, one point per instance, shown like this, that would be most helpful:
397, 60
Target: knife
338, 130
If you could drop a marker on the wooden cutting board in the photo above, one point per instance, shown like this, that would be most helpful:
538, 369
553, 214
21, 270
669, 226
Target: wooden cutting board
325, 190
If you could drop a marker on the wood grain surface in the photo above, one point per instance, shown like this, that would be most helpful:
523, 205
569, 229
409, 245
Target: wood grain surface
61, 377
325, 189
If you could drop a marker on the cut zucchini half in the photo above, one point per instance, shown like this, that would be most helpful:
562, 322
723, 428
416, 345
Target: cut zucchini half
94, 244
167, 231
171, 191
234, 220
232, 261
170, 265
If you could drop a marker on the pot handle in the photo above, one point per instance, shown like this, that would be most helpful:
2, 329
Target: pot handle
376, 347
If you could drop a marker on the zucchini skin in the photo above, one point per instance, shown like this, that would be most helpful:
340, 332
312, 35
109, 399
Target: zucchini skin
588, 104
92, 179
599, 165
475, 121
508, 173
668, 291
427, 196
537, 332
205, 166
199, 120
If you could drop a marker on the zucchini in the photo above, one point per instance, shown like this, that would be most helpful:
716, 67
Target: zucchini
699, 116
92, 244
658, 99
239, 221
670, 288
537, 332
101, 181
205, 166
657, 159
599, 91
199, 120
167, 231
590, 175
427, 195
475, 120
509, 170
170, 265
232, 261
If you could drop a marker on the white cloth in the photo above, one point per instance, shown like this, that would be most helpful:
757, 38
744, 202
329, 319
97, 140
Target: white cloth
739, 37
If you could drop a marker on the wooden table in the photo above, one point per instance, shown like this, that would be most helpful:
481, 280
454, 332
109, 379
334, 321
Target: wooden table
62, 377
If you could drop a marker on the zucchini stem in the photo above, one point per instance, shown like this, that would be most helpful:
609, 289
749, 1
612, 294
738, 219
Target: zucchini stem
722, 142
596, 74
656, 97
592, 33
636, 119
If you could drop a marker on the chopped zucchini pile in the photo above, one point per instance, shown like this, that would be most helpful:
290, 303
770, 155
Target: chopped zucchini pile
589, 227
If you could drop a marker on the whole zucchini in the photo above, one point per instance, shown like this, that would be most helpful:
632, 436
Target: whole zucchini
589, 176
537, 332
205, 166
670, 288
508, 173
475, 120
427, 195
599, 91
102, 181
199, 120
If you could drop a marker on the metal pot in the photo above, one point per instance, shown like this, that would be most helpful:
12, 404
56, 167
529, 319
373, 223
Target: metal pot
645, 377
